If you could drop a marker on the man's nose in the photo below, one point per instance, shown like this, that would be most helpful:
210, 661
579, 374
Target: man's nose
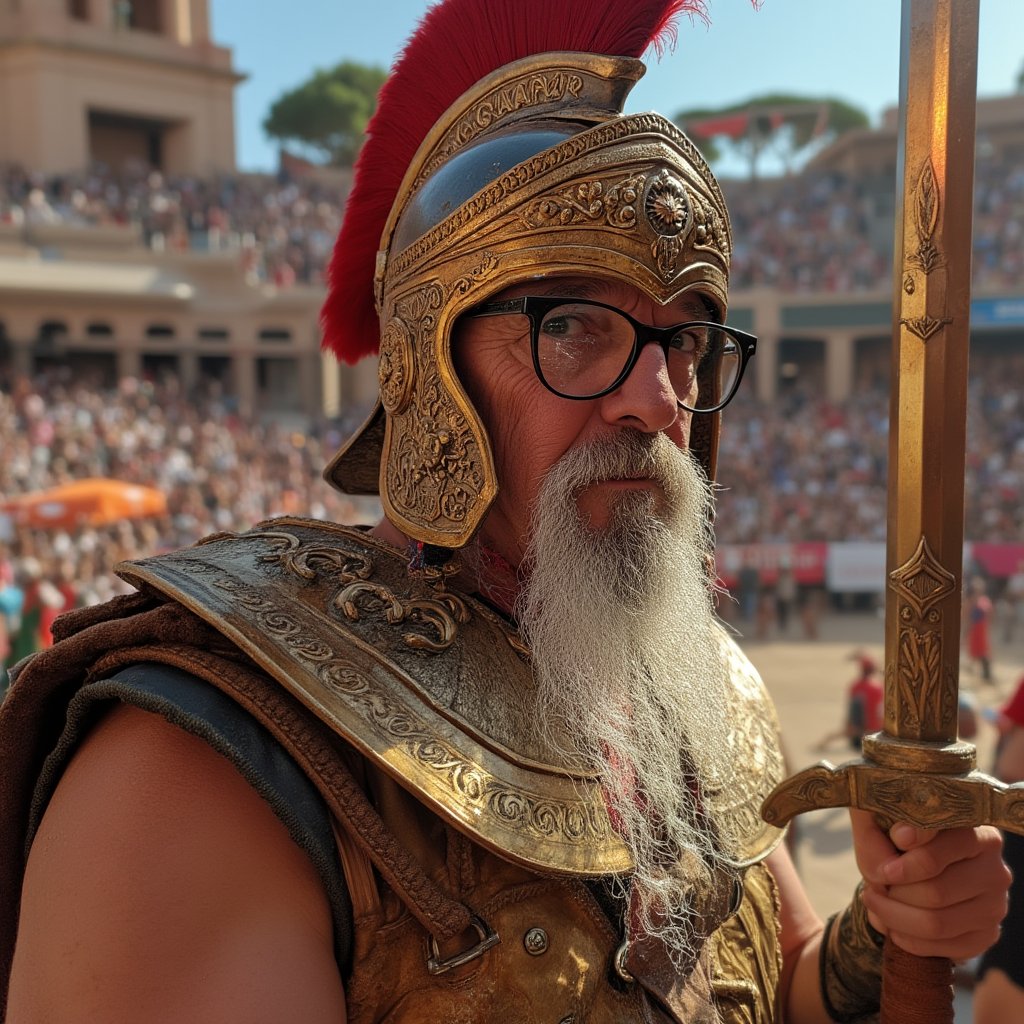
646, 399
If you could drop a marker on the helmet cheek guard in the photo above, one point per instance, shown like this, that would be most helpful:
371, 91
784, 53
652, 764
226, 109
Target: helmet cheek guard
533, 173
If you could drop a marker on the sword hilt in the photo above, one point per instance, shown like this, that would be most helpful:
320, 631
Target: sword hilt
921, 798
915, 990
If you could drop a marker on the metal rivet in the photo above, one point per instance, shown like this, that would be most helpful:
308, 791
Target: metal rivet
536, 941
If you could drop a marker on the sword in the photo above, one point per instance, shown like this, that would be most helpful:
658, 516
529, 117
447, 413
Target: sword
916, 770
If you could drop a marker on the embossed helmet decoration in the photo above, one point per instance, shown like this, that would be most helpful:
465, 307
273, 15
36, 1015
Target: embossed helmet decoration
518, 165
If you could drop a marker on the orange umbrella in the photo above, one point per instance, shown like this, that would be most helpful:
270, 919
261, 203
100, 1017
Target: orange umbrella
93, 502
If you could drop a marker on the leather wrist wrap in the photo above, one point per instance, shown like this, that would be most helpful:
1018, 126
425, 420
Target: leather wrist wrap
850, 965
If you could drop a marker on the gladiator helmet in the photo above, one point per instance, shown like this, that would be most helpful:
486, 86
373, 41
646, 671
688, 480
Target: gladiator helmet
499, 153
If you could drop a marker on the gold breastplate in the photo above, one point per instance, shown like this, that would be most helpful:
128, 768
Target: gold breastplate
557, 955
434, 688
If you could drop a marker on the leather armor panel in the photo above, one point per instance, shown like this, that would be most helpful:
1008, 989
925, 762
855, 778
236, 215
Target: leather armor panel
572, 979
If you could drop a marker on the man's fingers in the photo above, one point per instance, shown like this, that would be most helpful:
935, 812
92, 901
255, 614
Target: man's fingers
980, 848
959, 931
907, 837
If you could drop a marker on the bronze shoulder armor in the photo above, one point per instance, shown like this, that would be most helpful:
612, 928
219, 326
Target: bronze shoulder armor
430, 685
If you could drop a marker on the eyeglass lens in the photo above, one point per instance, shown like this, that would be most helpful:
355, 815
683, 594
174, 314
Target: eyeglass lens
582, 350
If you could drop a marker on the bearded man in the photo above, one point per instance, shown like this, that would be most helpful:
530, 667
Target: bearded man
493, 760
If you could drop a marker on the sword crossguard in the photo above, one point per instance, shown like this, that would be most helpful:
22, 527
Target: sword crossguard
925, 799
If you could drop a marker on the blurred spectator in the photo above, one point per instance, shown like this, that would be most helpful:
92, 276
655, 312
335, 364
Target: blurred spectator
999, 993
785, 597
864, 701
41, 603
12, 598
1013, 603
978, 622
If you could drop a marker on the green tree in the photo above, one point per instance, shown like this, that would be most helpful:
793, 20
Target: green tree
788, 125
1020, 79
328, 113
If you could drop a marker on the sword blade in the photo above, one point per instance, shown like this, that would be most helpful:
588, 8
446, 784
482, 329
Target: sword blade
931, 337
927, 440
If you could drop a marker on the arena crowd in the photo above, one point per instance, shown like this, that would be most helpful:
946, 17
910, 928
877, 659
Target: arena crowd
282, 228
800, 469
806, 468
218, 471
809, 232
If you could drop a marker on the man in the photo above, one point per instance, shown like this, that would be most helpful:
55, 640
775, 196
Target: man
999, 993
978, 623
493, 760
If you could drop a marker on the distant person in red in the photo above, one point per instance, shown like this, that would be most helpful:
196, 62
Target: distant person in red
999, 993
979, 621
864, 702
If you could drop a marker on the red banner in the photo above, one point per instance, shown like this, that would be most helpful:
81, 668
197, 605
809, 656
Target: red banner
809, 562
999, 561
806, 560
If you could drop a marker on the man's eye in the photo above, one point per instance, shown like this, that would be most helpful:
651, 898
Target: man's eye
569, 327
691, 342
556, 325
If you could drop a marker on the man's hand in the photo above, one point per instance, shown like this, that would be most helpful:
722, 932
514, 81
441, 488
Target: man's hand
933, 892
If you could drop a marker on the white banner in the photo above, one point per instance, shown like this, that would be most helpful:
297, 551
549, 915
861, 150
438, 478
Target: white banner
855, 567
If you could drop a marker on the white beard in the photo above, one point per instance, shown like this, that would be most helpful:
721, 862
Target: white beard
627, 658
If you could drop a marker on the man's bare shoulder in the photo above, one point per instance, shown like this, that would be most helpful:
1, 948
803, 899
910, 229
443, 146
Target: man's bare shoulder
161, 886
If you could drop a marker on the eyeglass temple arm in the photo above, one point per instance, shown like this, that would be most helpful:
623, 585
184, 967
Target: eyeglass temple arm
498, 308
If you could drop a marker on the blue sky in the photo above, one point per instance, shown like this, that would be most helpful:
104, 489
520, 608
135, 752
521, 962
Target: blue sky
843, 48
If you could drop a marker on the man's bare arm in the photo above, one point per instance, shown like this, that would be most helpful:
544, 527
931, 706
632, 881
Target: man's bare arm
162, 887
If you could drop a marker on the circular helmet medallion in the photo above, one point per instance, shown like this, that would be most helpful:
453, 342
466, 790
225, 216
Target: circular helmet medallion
395, 370
667, 205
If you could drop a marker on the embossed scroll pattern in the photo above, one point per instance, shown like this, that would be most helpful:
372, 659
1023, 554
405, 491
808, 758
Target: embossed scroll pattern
740, 798
592, 201
433, 470
358, 593
755, 764
395, 368
926, 218
924, 701
675, 216
532, 90
471, 215
400, 726
573, 821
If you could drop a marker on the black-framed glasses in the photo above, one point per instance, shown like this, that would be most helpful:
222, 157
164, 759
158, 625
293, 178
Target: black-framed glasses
584, 349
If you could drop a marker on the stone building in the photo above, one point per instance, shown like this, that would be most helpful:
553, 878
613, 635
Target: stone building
113, 80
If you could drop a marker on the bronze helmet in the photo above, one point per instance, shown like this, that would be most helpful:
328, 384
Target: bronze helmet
533, 171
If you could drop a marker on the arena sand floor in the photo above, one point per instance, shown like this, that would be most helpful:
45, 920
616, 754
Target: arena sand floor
808, 681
